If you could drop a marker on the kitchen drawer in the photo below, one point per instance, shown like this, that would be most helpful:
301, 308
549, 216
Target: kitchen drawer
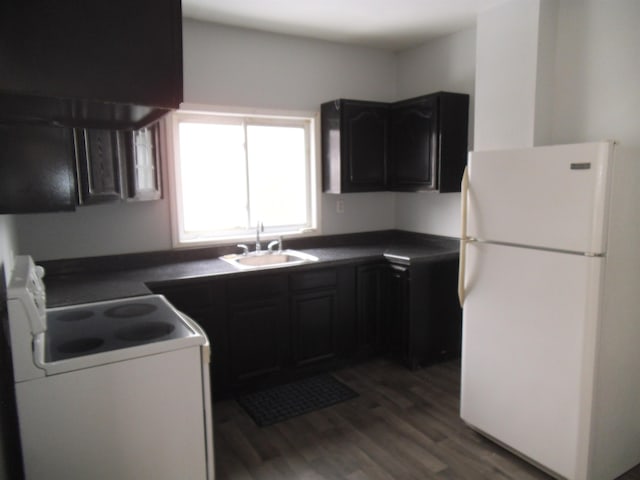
257, 288
313, 279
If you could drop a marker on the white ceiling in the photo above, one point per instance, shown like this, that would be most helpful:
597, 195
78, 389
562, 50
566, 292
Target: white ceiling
387, 24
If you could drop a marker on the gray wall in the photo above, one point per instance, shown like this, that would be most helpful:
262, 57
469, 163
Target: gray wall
597, 72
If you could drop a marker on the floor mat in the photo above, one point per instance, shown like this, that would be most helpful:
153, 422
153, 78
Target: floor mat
276, 404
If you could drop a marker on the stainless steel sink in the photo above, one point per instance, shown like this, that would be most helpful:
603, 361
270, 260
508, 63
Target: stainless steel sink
267, 259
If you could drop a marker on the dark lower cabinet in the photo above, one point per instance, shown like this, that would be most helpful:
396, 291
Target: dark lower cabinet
258, 329
323, 317
314, 317
268, 328
398, 312
372, 318
439, 282
258, 340
423, 312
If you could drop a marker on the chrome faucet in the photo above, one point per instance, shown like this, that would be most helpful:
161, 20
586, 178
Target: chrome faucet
273, 243
259, 228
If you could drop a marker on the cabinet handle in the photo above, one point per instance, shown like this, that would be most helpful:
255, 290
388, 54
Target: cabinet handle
464, 189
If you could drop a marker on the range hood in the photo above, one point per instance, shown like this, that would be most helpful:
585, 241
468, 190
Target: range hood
76, 113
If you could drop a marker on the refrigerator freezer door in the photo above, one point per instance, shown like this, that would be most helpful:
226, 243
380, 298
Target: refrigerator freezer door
528, 334
551, 197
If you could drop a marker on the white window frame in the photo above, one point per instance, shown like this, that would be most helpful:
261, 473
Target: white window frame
203, 113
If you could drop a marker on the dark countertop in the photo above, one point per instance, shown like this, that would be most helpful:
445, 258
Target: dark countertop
103, 278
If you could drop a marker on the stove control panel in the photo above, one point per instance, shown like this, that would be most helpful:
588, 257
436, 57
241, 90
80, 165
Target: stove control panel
27, 288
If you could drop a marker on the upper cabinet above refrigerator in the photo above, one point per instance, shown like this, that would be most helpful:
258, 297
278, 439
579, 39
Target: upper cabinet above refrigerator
114, 64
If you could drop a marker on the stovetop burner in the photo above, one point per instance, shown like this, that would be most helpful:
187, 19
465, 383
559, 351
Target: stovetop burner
131, 310
111, 325
144, 331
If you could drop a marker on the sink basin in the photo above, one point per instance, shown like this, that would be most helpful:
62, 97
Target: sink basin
266, 259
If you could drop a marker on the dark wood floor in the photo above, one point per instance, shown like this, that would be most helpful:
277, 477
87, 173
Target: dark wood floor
404, 425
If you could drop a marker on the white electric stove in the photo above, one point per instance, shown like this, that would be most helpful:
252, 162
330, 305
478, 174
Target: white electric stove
112, 389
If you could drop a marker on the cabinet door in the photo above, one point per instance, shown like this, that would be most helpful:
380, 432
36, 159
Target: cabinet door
453, 123
372, 311
439, 281
36, 169
399, 312
354, 146
365, 137
258, 340
98, 164
314, 318
424, 314
414, 144
258, 329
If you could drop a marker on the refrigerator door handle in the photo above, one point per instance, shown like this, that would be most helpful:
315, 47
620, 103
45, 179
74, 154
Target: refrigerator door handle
464, 189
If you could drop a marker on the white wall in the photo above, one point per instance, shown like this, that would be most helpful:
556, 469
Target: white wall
447, 63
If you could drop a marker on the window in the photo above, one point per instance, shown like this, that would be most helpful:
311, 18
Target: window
232, 171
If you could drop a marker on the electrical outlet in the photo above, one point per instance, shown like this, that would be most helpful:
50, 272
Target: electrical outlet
340, 206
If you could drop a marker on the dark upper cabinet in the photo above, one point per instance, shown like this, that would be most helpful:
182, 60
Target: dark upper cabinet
355, 135
414, 140
46, 168
429, 142
423, 145
37, 172
90, 64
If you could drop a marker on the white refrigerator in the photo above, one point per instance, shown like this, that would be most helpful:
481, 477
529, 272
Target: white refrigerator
550, 289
